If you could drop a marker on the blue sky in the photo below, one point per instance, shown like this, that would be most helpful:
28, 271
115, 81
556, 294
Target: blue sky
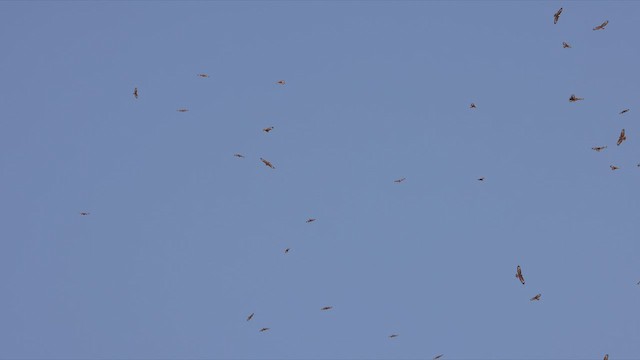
184, 240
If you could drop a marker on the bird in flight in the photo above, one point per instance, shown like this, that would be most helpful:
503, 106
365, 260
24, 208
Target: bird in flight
281, 82
438, 357
182, 110
598, 148
393, 336
327, 308
287, 250
399, 180
519, 275
556, 16
613, 167
250, 316
84, 213
536, 298
135, 93
264, 329
601, 26
266, 162
624, 111
203, 75
268, 129
573, 98
481, 178
565, 45
238, 155
606, 357
310, 220
472, 106
622, 137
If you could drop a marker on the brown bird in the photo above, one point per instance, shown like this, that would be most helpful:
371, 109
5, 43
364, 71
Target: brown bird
393, 336
622, 137
182, 110
598, 148
327, 308
438, 357
203, 75
481, 179
238, 155
311, 220
135, 93
573, 98
400, 180
556, 16
281, 82
565, 45
606, 357
286, 250
536, 298
250, 316
267, 163
613, 167
268, 129
264, 329
519, 275
472, 106
601, 26
624, 111
84, 213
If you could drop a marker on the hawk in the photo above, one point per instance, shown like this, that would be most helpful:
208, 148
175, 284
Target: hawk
519, 275
565, 45
84, 213
135, 93
393, 336
536, 298
264, 329
182, 110
613, 167
622, 137
238, 155
573, 98
598, 148
327, 308
624, 111
556, 16
472, 106
203, 75
250, 316
399, 180
310, 220
601, 26
438, 357
281, 82
266, 162
268, 129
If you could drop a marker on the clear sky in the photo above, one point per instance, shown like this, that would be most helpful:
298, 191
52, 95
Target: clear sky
184, 240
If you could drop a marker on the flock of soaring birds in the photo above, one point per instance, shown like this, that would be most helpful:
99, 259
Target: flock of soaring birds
519, 276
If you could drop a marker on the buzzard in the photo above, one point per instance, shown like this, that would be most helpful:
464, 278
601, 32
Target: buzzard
238, 155
250, 316
472, 106
281, 82
438, 357
182, 110
266, 162
519, 275
399, 180
203, 75
393, 336
268, 129
622, 137
310, 220
624, 111
536, 298
327, 308
613, 167
601, 26
84, 213
573, 98
556, 16
135, 93
264, 329
598, 148
565, 45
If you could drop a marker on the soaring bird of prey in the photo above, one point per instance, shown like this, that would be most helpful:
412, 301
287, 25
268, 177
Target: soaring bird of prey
519, 275
472, 106
598, 148
556, 16
573, 98
310, 220
622, 137
250, 316
400, 180
281, 82
264, 329
613, 167
182, 110
267, 129
135, 93
266, 162
536, 298
624, 111
327, 308
565, 45
601, 26
84, 213
238, 155
203, 75
393, 336
438, 357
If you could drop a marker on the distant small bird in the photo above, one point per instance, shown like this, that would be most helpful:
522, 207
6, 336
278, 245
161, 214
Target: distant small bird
536, 298
267, 163
601, 26
327, 308
264, 329
203, 75
438, 357
182, 110
573, 98
268, 129
400, 180
613, 167
135, 93
472, 106
238, 155
565, 45
556, 16
598, 148
519, 275
281, 82
393, 336
481, 178
84, 213
606, 357
622, 137
286, 251
638, 283
250, 316
310, 220
624, 111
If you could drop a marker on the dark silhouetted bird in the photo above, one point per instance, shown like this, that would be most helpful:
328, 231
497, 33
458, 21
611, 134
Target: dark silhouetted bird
250, 316
565, 45
327, 308
519, 275
268, 129
310, 220
238, 155
400, 180
624, 111
286, 251
556, 16
264, 329
601, 26
613, 167
135, 93
573, 98
598, 148
438, 357
536, 298
393, 336
266, 162
281, 82
84, 213
622, 137
203, 75
182, 110
472, 106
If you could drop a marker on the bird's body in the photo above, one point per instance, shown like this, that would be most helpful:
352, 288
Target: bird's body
613, 167
281, 82
438, 357
310, 220
135, 93
598, 148
238, 155
267, 163
481, 178
327, 308
264, 329
182, 110
601, 26
556, 16
393, 336
624, 111
622, 137
565, 45
84, 213
286, 251
399, 180
250, 316
267, 129
472, 106
519, 275
574, 98
536, 298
